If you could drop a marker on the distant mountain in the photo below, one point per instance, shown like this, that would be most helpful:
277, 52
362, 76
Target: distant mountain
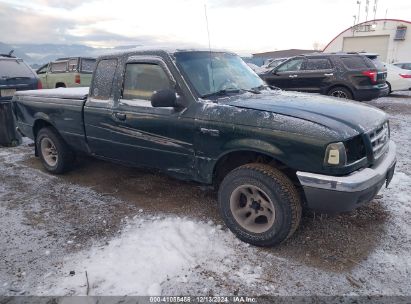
6, 48
38, 54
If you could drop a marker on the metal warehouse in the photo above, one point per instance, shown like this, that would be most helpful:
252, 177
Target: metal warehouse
388, 37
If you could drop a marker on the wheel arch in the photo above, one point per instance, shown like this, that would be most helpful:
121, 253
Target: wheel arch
341, 85
232, 159
60, 84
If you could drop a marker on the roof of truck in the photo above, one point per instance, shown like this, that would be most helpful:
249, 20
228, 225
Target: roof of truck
169, 50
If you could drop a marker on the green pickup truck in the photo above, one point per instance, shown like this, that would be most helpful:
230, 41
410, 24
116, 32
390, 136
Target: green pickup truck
206, 116
67, 73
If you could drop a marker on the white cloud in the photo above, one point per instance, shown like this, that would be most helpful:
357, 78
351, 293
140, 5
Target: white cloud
234, 24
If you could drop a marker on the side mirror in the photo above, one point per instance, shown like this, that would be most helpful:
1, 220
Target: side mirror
164, 98
274, 71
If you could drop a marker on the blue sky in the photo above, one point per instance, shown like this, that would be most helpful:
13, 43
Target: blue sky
240, 25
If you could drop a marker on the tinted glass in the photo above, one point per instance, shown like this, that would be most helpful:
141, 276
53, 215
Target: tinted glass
354, 63
292, 65
406, 66
87, 65
215, 71
378, 64
59, 66
276, 62
103, 78
43, 69
318, 64
14, 68
142, 80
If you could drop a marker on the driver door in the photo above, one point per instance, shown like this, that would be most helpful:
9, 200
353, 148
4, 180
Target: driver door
286, 75
148, 136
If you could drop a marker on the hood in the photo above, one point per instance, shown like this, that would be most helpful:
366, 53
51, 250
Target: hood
331, 112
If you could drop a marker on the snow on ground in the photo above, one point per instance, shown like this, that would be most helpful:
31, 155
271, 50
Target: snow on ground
53, 226
148, 253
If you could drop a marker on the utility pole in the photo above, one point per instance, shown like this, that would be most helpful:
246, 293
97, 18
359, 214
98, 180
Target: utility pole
359, 10
367, 3
375, 8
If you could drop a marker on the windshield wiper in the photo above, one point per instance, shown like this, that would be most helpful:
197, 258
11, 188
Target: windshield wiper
221, 93
252, 90
261, 87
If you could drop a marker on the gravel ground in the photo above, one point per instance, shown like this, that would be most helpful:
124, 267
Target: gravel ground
87, 219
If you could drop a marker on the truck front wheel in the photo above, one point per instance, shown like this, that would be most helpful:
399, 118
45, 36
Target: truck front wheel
259, 204
54, 153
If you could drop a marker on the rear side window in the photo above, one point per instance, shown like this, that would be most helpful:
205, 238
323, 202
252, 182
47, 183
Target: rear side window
87, 65
73, 64
317, 64
377, 63
103, 78
14, 68
354, 63
60, 66
142, 80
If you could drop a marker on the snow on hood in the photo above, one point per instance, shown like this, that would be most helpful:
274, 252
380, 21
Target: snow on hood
335, 113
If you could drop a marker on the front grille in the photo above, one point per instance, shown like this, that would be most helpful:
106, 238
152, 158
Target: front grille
379, 140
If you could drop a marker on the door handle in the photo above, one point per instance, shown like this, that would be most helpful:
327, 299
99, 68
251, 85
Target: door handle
328, 74
293, 76
211, 132
120, 116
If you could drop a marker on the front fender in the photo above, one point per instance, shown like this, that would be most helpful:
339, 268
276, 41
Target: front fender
254, 145
207, 166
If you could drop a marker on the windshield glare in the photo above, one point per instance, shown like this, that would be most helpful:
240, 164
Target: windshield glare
212, 72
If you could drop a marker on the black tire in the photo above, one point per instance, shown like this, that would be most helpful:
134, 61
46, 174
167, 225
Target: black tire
275, 186
340, 92
389, 88
64, 155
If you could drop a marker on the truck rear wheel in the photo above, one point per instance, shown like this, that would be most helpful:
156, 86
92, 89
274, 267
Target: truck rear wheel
259, 204
54, 152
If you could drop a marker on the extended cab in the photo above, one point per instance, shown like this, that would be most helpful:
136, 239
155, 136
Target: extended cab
205, 116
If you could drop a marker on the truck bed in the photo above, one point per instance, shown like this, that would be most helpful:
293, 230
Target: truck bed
61, 108
61, 93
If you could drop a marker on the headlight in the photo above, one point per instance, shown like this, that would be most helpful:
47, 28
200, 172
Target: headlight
335, 155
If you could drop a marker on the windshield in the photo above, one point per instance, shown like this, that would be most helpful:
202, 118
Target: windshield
276, 62
211, 72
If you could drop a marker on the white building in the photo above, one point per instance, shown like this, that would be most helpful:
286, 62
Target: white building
390, 38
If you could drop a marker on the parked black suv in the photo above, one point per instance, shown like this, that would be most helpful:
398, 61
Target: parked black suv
16, 75
345, 75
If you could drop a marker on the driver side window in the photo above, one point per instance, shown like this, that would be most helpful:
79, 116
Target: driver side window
43, 69
291, 66
142, 80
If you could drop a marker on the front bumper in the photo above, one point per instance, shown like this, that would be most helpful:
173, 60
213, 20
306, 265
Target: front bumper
331, 194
